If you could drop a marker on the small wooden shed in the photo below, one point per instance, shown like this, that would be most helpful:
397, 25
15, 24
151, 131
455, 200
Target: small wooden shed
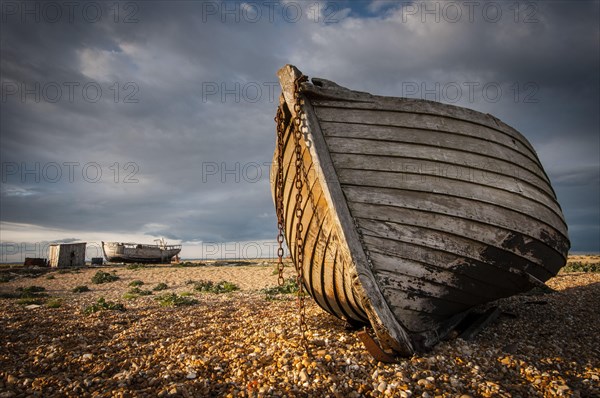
67, 255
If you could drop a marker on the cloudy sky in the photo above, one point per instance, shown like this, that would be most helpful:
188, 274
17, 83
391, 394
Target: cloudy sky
136, 120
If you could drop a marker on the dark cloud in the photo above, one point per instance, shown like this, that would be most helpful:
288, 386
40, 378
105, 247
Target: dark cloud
195, 150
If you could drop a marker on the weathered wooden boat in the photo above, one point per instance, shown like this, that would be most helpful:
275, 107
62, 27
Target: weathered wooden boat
118, 252
412, 213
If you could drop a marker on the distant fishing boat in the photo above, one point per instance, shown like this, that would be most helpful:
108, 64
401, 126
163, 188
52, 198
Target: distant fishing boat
412, 212
117, 252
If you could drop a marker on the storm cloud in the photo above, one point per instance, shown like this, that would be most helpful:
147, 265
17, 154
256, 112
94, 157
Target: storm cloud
146, 119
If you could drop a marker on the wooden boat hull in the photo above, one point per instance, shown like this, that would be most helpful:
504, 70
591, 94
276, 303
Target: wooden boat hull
117, 252
415, 212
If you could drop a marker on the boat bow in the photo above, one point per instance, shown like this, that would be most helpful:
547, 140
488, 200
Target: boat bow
388, 239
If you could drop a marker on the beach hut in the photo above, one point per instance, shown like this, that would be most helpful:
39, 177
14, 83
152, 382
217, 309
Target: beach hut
67, 255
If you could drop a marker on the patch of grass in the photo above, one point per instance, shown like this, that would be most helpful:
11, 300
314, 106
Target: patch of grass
30, 295
289, 286
174, 300
135, 266
80, 289
135, 293
27, 295
160, 286
5, 278
219, 287
104, 277
30, 300
577, 266
31, 289
141, 292
102, 305
54, 303
136, 283
188, 264
50, 277
232, 263
186, 294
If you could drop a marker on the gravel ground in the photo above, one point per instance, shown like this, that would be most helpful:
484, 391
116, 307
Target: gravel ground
241, 344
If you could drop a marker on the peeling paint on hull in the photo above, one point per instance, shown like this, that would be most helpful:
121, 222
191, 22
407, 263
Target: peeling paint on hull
415, 212
139, 253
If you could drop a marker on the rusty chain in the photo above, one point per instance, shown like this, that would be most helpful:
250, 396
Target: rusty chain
279, 120
297, 131
299, 210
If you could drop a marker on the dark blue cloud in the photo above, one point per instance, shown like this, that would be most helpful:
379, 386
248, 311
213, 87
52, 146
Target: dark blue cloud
188, 96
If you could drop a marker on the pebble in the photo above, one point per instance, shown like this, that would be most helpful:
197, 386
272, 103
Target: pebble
510, 348
303, 375
243, 345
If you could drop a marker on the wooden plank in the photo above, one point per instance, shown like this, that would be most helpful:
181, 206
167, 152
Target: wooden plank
416, 151
374, 349
321, 266
312, 239
356, 100
463, 208
468, 138
424, 120
414, 157
500, 191
493, 236
287, 77
426, 170
450, 242
482, 321
456, 189
426, 313
314, 269
290, 192
337, 289
425, 288
344, 289
467, 271
319, 260
313, 223
389, 330
466, 281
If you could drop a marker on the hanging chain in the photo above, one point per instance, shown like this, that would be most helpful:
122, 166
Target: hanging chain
300, 172
299, 210
279, 120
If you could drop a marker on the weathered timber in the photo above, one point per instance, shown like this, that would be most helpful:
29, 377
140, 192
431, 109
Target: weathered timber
139, 253
481, 321
414, 212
